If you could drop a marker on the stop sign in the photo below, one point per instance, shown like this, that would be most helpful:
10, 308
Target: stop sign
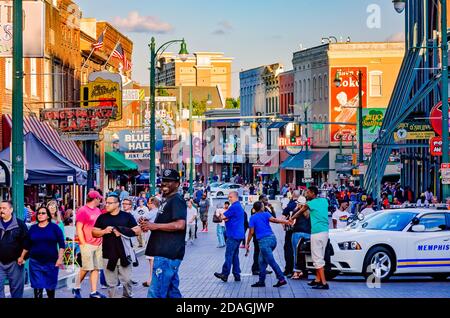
436, 118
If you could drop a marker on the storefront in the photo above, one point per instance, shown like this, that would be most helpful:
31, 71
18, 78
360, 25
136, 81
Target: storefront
294, 167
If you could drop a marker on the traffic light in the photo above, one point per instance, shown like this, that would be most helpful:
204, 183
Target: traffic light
254, 128
354, 159
295, 133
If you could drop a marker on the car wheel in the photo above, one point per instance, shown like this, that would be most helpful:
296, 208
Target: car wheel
219, 194
440, 277
379, 262
330, 275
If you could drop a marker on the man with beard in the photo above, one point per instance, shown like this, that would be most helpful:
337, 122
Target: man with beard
166, 243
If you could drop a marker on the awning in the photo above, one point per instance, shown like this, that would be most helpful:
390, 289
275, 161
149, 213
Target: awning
278, 125
51, 138
115, 161
319, 161
45, 166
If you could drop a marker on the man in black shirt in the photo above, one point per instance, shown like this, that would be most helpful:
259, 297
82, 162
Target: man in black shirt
288, 251
166, 243
111, 226
301, 231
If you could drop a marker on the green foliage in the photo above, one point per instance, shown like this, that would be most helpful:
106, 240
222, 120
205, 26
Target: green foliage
198, 108
162, 92
232, 103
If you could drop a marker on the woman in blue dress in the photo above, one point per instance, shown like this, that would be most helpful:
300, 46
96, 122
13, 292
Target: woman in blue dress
45, 246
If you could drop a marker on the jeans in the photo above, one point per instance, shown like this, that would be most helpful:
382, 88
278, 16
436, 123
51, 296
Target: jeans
190, 232
165, 280
255, 265
16, 278
266, 247
220, 234
296, 237
288, 253
232, 258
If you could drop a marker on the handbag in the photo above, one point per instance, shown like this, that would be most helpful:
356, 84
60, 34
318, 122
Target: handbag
216, 219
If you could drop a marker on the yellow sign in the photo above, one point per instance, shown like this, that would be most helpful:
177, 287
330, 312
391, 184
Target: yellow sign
102, 93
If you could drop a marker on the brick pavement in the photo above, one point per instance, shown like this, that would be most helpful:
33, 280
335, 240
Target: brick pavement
203, 259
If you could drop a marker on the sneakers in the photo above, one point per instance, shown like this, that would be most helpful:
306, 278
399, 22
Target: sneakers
321, 286
96, 295
259, 284
237, 278
103, 287
145, 284
76, 293
221, 276
280, 283
134, 283
313, 283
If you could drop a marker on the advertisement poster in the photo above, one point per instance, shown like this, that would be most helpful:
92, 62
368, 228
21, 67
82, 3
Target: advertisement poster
344, 102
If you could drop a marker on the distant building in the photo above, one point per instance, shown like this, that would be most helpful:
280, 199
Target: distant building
200, 69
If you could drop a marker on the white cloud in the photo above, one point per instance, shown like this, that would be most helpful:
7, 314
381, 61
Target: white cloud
141, 24
224, 27
396, 37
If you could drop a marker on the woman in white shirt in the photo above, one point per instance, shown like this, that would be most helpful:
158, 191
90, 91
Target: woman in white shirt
340, 217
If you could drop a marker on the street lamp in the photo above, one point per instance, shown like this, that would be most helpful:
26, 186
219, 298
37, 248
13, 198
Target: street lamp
399, 6
183, 55
337, 83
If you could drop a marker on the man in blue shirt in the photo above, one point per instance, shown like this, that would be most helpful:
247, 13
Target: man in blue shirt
234, 223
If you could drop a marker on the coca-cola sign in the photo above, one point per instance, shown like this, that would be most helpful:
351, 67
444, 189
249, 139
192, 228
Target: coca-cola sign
344, 101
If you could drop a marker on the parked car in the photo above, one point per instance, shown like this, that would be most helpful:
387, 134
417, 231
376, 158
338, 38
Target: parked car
223, 190
404, 241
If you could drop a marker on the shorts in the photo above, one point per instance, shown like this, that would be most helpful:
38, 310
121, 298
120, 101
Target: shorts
91, 257
319, 243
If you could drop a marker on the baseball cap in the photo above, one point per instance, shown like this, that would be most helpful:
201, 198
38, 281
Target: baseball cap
170, 175
94, 195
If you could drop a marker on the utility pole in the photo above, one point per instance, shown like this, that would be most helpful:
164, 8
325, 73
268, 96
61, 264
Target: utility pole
191, 160
360, 129
444, 94
17, 153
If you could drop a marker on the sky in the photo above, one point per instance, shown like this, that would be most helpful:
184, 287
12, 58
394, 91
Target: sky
253, 32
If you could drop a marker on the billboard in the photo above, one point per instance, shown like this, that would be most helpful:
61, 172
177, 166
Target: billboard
138, 140
344, 101
33, 29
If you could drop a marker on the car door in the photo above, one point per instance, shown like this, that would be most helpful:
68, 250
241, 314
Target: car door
429, 251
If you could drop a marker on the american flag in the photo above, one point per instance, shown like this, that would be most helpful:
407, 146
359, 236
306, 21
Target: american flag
118, 52
99, 44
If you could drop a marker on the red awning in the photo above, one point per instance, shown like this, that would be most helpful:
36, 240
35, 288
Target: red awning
50, 136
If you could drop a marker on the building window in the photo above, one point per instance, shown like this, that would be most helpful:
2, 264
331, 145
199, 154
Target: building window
376, 82
300, 91
33, 77
309, 89
304, 91
314, 88
325, 80
8, 73
320, 88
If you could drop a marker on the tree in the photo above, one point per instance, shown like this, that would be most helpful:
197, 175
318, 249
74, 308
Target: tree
232, 103
198, 108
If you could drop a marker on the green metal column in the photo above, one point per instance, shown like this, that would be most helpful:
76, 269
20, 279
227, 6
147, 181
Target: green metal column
444, 87
191, 160
360, 128
152, 176
17, 113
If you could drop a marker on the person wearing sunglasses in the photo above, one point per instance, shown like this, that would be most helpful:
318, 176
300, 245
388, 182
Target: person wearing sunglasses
45, 246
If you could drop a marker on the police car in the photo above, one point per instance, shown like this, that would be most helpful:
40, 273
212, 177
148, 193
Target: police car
403, 241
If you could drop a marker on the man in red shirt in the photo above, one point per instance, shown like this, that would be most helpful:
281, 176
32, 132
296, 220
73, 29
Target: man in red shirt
90, 247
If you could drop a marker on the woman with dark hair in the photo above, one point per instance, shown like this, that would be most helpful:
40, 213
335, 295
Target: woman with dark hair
56, 216
45, 245
259, 225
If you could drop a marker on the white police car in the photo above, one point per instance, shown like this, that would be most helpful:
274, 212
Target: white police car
404, 241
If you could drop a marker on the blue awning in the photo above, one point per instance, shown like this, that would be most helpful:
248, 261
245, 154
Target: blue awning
278, 125
45, 166
319, 161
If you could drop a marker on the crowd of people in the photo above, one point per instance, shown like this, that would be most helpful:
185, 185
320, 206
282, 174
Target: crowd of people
164, 224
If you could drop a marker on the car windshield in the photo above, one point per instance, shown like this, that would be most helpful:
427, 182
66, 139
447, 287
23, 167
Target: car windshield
224, 186
388, 221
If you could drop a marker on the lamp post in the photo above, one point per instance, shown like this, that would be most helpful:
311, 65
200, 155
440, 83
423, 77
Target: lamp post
399, 6
191, 157
17, 159
337, 83
183, 54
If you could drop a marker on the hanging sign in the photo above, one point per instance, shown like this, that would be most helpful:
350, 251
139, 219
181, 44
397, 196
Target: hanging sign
78, 120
